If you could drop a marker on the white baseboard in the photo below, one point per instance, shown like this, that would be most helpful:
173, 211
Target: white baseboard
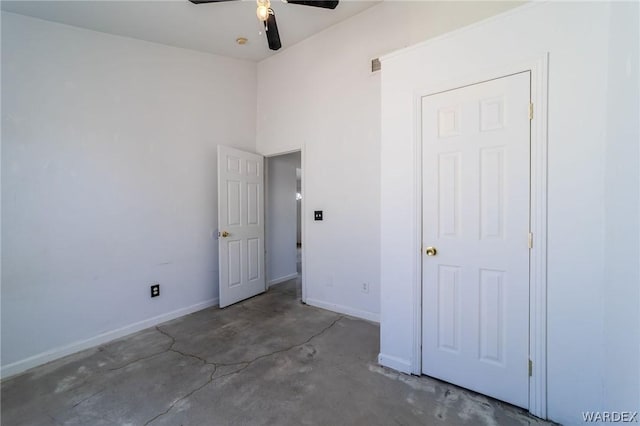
17, 367
283, 279
395, 363
370, 316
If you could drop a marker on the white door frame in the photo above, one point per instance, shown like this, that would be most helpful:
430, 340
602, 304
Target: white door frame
302, 216
538, 221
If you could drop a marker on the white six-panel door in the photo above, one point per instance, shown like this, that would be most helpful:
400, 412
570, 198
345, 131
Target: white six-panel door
476, 215
240, 224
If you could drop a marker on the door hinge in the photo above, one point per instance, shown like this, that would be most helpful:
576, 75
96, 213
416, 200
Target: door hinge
530, 240
530, 368
530, 110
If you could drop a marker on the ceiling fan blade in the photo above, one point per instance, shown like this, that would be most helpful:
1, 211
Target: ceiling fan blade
273, 37
325, 4
207, 1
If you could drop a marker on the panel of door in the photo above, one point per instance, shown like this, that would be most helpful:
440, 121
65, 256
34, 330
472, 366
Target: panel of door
476, 174
240, 225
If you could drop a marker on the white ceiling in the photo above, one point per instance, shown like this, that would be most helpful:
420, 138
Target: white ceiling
211, 28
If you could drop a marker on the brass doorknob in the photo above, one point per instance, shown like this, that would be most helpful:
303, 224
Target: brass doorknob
225, 234
431, 251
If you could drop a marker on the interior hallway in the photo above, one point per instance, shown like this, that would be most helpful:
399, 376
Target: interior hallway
269, 360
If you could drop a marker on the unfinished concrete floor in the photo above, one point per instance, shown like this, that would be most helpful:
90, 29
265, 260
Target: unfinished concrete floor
267, 361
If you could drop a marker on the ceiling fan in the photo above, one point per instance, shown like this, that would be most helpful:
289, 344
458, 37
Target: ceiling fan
266, 15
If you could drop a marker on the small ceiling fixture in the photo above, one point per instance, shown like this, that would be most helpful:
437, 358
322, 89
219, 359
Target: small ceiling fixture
264, 8
241, 41
268, 18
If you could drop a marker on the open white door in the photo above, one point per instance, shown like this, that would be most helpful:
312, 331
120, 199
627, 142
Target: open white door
475, 237
240, 224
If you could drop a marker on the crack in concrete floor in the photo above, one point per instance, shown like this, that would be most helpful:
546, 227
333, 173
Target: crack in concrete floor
216, 365
83, 400
255, 363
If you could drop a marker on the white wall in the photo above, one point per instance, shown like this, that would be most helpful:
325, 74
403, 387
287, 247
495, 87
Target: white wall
320, 94
281, 209
621, 249
593, 327
108, 182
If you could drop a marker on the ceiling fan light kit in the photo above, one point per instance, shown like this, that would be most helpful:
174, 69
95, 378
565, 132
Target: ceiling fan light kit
263, 9
266, 15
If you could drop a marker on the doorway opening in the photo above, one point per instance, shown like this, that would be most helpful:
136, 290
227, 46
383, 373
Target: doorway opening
283, 221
